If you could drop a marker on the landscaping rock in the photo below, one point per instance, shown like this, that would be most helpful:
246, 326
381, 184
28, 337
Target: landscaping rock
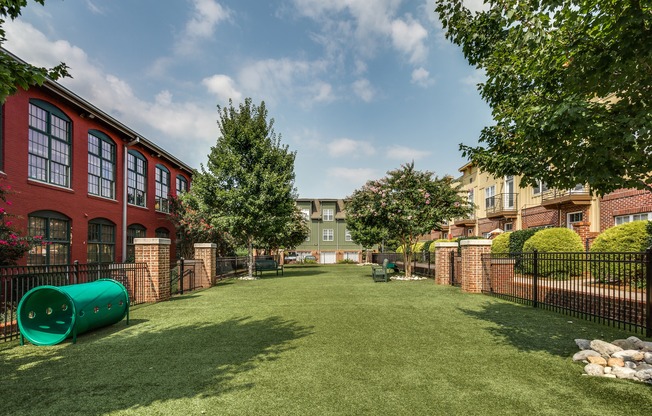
624, 372
583, 355
615, 362
629, 355
594, 369
604, 348
583, 344
597, 360
623, 359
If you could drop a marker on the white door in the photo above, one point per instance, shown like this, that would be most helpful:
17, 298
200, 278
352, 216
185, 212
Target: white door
509, 193
327, 257
351, 255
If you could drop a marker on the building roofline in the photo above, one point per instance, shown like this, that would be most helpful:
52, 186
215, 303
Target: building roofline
97, 113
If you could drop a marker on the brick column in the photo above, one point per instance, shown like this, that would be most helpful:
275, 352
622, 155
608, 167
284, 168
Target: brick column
206, 255
443, 262
155, 252
472, 266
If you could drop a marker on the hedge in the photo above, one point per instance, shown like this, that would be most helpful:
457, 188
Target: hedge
500, 244
554, 240
629, 237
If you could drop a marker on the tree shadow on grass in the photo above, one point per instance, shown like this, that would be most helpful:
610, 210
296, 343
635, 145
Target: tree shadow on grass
132, 367
533, 329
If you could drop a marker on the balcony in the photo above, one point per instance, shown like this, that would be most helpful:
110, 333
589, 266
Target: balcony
465, 221
501, 206
554, 198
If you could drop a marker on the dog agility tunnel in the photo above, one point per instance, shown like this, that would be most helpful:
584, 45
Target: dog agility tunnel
47, 315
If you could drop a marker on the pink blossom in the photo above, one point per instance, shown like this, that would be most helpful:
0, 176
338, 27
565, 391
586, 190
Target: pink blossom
8, 202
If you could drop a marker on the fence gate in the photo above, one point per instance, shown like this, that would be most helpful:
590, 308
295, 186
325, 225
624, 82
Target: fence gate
182, 276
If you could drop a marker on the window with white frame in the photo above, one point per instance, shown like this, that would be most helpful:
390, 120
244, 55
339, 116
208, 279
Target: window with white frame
328, 235
327, 214
306, 213
573, 217
347, 236
489, 194
622, 219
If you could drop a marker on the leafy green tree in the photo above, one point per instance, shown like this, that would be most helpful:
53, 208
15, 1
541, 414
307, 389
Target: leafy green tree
291, 235
192, 227
569, 83
15, 74
247, 187
404, 205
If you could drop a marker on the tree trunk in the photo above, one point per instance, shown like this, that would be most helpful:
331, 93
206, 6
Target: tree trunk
250, 255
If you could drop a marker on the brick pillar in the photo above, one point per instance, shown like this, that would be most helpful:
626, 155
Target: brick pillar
472, 266
206, 254
155, 252
443, 262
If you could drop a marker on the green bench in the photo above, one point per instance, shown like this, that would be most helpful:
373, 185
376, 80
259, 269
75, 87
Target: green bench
263, 265
379, 273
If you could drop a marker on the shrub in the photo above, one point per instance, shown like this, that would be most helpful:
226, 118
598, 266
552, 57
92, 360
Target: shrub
347, 261
615, 267
518, 238
554, 240
501, 244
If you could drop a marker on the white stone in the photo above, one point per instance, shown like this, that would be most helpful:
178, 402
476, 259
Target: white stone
623, 372
629, 355
583, 355
604, 348
583, 344
594, 369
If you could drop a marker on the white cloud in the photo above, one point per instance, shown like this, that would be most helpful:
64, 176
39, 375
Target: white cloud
421, 76
323, 93
224, 87
363, 89
476, 77
94, 8
353, 177
476, 5
348, 147
409, 37
405, 154
207, 14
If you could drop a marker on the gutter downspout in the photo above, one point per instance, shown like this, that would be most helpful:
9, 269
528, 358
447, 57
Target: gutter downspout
124, 196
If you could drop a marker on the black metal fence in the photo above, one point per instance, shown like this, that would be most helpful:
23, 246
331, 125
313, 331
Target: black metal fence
611, 288
15, 281
231, 266
183, 276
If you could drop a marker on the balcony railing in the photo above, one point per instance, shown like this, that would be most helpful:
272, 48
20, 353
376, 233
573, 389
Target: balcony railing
502, 205
465, 221
580, 195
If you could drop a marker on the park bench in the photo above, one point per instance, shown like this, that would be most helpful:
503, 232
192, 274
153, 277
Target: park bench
379, 273
267, 265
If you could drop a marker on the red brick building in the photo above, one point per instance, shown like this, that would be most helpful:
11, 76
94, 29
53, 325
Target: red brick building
81, 179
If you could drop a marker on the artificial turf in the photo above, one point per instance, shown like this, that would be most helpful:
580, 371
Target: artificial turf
321, 340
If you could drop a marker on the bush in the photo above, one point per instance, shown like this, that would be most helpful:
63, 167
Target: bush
518, 238
501, 244
347, 261
554, 240
628, 237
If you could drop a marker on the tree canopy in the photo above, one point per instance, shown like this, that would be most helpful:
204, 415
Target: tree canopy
569, 83
247, 187
13, 73
403, 205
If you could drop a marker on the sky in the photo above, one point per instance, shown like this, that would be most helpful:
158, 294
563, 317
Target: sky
355, 87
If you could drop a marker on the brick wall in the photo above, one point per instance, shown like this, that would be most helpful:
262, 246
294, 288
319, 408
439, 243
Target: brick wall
472, 264
623, 202
539, 217
443, 262
155, 252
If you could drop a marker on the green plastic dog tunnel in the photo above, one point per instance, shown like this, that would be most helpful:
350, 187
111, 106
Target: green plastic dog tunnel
47, 315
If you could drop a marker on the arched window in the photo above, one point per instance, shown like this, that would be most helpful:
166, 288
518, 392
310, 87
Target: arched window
101, 164
49, 144
134, 231
54, 228
101, 241
162, 233
162, 180
182, 184
136, 179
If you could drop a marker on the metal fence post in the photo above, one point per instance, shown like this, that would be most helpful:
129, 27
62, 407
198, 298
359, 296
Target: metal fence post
535, 279
75, 271
181, 273
648, 292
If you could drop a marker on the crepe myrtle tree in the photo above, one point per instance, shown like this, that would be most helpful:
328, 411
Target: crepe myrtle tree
569, 83
15, 74
247, 188
403, 205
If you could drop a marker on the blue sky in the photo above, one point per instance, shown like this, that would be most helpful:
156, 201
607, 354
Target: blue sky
356, 87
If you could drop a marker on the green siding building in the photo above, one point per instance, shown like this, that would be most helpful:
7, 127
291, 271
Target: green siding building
329, 240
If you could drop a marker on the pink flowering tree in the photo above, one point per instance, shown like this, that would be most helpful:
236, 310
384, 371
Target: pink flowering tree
403, 205
13, 246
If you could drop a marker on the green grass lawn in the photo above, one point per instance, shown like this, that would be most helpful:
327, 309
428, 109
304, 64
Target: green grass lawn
319, 341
